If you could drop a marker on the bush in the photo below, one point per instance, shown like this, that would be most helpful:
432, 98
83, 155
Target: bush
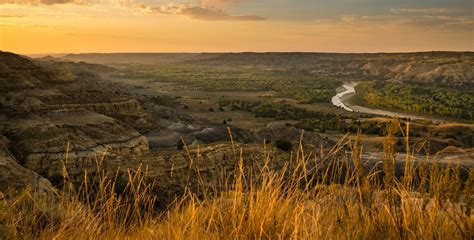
180, 144
284, 145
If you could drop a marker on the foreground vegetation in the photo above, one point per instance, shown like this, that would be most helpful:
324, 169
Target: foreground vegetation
314, 196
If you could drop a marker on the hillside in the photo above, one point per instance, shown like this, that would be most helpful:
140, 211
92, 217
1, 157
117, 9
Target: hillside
136, 58
17, 72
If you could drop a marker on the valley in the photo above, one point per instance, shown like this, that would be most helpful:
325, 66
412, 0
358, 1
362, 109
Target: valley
58, 114
267, 92
236, 119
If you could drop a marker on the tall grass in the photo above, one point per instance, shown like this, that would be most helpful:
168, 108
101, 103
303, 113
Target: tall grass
314, 195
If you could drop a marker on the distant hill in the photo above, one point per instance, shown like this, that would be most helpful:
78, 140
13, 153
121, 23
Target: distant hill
135, 58
455, 68
17, 72
76, 68
425, 67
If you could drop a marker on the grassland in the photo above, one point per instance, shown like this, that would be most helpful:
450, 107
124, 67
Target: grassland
301, 85
314, 196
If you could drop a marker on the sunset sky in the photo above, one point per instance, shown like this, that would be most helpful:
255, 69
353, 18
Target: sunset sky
72, 26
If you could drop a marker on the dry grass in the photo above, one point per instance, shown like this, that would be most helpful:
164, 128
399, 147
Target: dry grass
313, 197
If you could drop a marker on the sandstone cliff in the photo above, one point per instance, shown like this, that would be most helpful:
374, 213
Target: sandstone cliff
46, 119
15, 177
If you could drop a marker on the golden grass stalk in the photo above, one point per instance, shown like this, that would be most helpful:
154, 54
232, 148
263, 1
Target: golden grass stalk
327, 196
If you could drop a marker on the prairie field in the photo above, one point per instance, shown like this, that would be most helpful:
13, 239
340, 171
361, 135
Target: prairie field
312, 196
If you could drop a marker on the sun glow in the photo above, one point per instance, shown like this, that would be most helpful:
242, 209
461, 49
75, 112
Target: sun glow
210, 26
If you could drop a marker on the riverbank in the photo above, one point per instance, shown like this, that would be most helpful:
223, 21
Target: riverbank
347, 91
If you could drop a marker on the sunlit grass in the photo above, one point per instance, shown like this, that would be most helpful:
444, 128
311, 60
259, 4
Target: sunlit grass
313, 196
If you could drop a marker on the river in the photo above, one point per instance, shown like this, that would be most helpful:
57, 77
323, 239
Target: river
338, 100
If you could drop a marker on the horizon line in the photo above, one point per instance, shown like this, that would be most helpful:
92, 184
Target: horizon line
241, 52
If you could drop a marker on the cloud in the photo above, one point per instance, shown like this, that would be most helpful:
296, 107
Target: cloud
41, 2
219, 2
201, 12
425, 21
450, 21
348, 19
423, 10
92, 35
12, 16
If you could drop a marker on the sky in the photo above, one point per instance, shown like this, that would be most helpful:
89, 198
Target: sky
75, 26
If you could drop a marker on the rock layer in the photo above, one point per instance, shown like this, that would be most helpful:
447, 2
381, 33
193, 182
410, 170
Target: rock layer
48, 121
15, 177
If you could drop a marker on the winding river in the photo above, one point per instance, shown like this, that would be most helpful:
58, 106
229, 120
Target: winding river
338, 100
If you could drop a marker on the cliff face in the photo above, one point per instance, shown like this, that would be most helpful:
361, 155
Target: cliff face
109, 104
171, 172
42, 143
13, 176
455, 71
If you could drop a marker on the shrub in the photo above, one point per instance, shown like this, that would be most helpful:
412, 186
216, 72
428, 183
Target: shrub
180, 144
284, 145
